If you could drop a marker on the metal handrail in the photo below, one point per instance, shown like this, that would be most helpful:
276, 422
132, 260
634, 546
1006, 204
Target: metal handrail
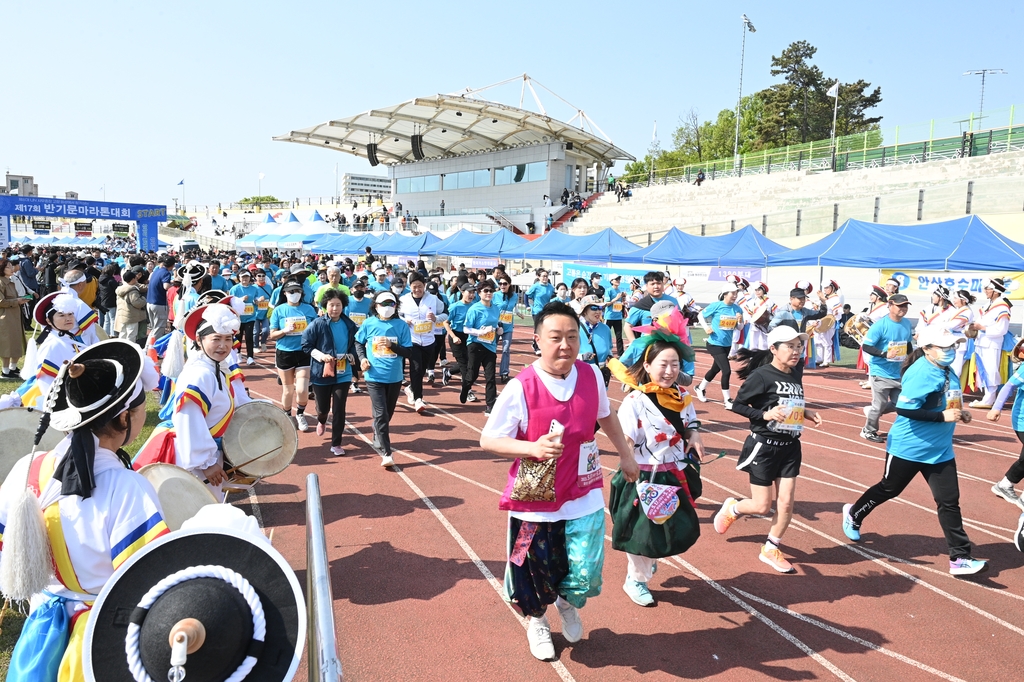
323, 662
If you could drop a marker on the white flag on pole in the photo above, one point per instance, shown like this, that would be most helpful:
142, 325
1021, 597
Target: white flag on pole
834, 90
262, 176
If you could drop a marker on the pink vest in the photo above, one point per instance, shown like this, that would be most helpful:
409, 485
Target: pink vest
579, 416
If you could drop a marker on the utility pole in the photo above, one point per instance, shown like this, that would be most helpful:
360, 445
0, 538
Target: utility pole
983, 73
747, 26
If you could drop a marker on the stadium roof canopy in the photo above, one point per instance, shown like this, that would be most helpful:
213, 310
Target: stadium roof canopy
456, 125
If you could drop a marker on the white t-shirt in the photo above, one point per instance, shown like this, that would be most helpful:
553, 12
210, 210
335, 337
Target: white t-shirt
509, 417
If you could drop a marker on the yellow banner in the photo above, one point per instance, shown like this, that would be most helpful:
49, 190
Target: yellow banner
924, 281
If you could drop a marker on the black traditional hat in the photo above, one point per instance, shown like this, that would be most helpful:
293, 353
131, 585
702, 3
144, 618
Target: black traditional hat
194, 270
95, 384
237, 586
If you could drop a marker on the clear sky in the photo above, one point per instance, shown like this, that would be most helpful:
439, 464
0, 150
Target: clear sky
135, 96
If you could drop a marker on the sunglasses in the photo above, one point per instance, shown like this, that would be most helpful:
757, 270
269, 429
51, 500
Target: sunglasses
386, 304
594, 308
487, 291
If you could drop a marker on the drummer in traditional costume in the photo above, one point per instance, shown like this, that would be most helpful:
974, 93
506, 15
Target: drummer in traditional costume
96, 511
826, 343
54, 346
73, 283
758, 310
958, 322
743, 296
659, 422
989, 366
205, 397
878, 307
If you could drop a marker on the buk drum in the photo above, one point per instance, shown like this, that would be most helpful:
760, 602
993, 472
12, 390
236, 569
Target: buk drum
857, 327
825, 325
181, 494
18, 426
260, 441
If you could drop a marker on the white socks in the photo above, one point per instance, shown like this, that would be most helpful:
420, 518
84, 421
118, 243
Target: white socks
725, 395
703, 385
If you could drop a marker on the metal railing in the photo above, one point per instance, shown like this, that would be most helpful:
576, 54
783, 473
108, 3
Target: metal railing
321, 642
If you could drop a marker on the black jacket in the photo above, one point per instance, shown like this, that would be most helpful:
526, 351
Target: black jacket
106, 294
318, 335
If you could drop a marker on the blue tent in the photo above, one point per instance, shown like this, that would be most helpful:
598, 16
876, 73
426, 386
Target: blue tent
316, 217
269, 219
402, 245
552, 246
291, 219
602, 247
247, 240
347, 244
744, 248
967, 243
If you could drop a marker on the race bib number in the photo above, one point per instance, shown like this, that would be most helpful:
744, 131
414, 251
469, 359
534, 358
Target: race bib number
263, 305
438, 328
954, 399
793, 408
589, 469
296, 325
380, 346
249, 309
341, 365
617, 307
727, 324
506, 317
897, 351
425, 327
487, 338
357, 318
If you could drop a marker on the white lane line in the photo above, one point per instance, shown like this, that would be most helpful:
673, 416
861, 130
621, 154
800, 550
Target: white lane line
563, 672
785, 634
847, 635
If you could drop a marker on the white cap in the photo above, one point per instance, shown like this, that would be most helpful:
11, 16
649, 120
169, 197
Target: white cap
379, 271
936, 336
784, 334
729, 287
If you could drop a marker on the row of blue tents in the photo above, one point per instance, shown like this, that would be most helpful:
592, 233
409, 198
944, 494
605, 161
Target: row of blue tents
967, 243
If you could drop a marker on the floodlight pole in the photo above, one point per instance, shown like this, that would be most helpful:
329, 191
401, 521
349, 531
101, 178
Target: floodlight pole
747, 26
983, 73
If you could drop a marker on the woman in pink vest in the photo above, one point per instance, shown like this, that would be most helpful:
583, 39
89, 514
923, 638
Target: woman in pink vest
544, 420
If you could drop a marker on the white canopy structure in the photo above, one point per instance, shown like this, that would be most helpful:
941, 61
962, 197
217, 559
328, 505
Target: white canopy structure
453, 125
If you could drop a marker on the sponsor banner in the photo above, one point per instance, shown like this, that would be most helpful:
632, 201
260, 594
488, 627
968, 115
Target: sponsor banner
571, 271
5, 232
923, 282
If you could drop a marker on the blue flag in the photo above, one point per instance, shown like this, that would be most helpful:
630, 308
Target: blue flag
182, 181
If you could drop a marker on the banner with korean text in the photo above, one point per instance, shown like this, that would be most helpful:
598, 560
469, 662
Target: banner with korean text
923, 282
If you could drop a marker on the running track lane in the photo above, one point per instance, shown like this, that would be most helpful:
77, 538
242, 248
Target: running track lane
416, 555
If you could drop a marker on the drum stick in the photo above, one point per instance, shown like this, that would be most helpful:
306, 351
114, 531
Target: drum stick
239, 466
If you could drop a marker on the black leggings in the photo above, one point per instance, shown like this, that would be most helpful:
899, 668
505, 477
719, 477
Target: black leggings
460, 354
720, 356
323, 395
941, 478
616, 327
1016, 471
383, 399
245, 332
419, 363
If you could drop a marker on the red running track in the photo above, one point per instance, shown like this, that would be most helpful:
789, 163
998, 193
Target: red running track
417, 556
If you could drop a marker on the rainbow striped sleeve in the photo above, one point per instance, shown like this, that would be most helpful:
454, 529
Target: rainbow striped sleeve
146, 532
192, 392
234, 372
87, 321
2, 529
48, 369
1004, 313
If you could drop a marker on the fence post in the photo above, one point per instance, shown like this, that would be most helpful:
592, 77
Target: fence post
864, 152
798, 214
732, 225
769, 164
739, 168
702, 226
764, 224
920, 203
835, 217
878, 203
1009, 132
650, 239
896, 152
970, 195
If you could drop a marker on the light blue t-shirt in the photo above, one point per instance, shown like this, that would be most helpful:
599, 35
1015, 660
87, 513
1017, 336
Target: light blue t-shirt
219, 283
265, 292
457, 314
599, 341
539, 295
638, 317
384, 369
291, 341
609, 312
506, 308
719, 315
924, 386
358, 310
250, 304
479, 316
886, 333
1017, 414
342, 346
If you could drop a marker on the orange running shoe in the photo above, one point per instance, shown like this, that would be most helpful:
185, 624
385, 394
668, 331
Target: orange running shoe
725, 517
774, 558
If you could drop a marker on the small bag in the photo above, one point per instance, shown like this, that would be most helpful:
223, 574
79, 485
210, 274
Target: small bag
535, 481
658, 501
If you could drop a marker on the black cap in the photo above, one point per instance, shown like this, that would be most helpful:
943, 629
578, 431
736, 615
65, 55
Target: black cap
467, 287
797, 293
899, 299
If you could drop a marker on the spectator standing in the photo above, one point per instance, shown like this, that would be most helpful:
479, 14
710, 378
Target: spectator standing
156, 295
106, 298
131, 307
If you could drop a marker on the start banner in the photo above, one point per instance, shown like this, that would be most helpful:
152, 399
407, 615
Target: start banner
923, 282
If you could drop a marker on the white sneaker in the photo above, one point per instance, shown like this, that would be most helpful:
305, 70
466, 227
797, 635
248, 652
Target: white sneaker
337, 451
699, 392
408, 394
538, 634
1007, 493
727, 404
250, 361
387, 461
420, 406
300, 422
572, 625
471, 397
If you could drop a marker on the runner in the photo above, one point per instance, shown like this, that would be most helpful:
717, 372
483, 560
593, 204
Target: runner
481, 324
1015, 386
287, 323
921, 442
420, 310
720, 320
544, 422
772, 398
330, 342
506, 300
887, 343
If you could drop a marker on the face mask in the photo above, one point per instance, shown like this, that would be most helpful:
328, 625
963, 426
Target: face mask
385, 312
294, 297
359, 293
947, 357
397, 290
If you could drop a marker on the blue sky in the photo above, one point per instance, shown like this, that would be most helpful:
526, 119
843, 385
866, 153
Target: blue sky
135, 96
